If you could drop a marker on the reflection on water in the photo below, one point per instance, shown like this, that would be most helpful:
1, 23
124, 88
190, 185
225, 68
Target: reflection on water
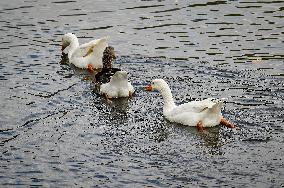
56, 131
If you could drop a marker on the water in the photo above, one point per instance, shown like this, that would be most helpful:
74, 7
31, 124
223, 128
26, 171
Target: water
56, 131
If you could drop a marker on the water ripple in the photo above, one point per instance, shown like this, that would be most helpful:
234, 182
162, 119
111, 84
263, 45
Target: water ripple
56, 131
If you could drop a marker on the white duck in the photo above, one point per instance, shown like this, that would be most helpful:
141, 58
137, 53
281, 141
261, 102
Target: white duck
117, 87
88, 55
205, 113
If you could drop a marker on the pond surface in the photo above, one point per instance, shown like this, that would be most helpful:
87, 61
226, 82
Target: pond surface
56, 131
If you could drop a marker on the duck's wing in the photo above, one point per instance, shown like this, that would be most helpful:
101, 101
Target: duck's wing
90, 54
94, 47
196, 106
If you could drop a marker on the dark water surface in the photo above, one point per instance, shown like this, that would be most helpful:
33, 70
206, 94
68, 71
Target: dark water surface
55, 131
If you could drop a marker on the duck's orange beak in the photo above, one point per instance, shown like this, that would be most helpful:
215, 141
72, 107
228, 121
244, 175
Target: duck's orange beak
149, 88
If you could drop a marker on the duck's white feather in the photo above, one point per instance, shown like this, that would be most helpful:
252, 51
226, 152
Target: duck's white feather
71, 43
90, 53
118, 86
195, 106
193, 112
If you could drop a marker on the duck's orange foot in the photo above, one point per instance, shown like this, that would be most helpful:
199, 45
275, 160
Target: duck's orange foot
200, 126
130, 94
91, 68
228, 124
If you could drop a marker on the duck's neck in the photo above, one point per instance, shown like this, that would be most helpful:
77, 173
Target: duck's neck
74, 44
169, 103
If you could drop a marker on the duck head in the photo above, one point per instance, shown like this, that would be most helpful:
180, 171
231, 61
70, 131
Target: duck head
156, 85
67, 39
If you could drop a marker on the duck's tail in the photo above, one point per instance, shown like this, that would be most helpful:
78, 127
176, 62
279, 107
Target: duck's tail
217, 106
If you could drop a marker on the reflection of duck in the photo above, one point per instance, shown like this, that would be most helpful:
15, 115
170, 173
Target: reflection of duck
89, 55
205, 113
118, 107
118, 86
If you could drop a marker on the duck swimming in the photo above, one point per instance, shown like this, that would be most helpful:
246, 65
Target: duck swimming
93, 55
205, 113
118, 86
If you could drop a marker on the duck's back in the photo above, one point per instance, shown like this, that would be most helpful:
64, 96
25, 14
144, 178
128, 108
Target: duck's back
193, 107
115, 89
191, 113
